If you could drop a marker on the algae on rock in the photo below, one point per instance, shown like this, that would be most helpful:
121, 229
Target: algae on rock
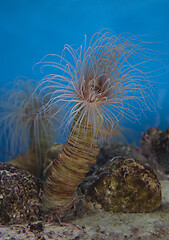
123, 185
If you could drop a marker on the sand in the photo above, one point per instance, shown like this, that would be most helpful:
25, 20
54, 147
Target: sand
100, 225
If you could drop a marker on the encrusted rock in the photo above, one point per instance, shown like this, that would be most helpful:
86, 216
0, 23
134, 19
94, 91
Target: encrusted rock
123, 185
19, 195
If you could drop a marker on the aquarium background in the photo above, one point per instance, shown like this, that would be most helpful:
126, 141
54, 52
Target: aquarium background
32, 29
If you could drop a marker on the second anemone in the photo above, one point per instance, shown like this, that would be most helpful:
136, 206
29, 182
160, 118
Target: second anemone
26, 126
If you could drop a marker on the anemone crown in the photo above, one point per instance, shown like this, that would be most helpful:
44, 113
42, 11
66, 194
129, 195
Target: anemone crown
103, 79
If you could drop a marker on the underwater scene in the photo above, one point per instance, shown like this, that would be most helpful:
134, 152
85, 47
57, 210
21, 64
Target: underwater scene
84, 120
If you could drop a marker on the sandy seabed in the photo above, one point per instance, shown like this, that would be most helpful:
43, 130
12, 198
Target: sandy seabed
100, 225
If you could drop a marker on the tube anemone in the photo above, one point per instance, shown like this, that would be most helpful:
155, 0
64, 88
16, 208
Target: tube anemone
25, 125
101, 85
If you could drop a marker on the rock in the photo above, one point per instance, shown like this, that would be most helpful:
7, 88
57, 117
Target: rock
113, 149
19, 195
123, 185
155, 146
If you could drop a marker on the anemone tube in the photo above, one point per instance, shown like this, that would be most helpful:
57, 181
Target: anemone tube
102, 85
70, 166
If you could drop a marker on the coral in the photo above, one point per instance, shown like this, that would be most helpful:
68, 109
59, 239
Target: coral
99, 87
19, 195
26, 127
123, 185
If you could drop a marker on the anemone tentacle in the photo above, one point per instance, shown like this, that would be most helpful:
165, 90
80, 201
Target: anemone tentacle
101, 78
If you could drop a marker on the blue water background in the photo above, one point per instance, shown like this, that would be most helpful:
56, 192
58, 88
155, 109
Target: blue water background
31, 29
